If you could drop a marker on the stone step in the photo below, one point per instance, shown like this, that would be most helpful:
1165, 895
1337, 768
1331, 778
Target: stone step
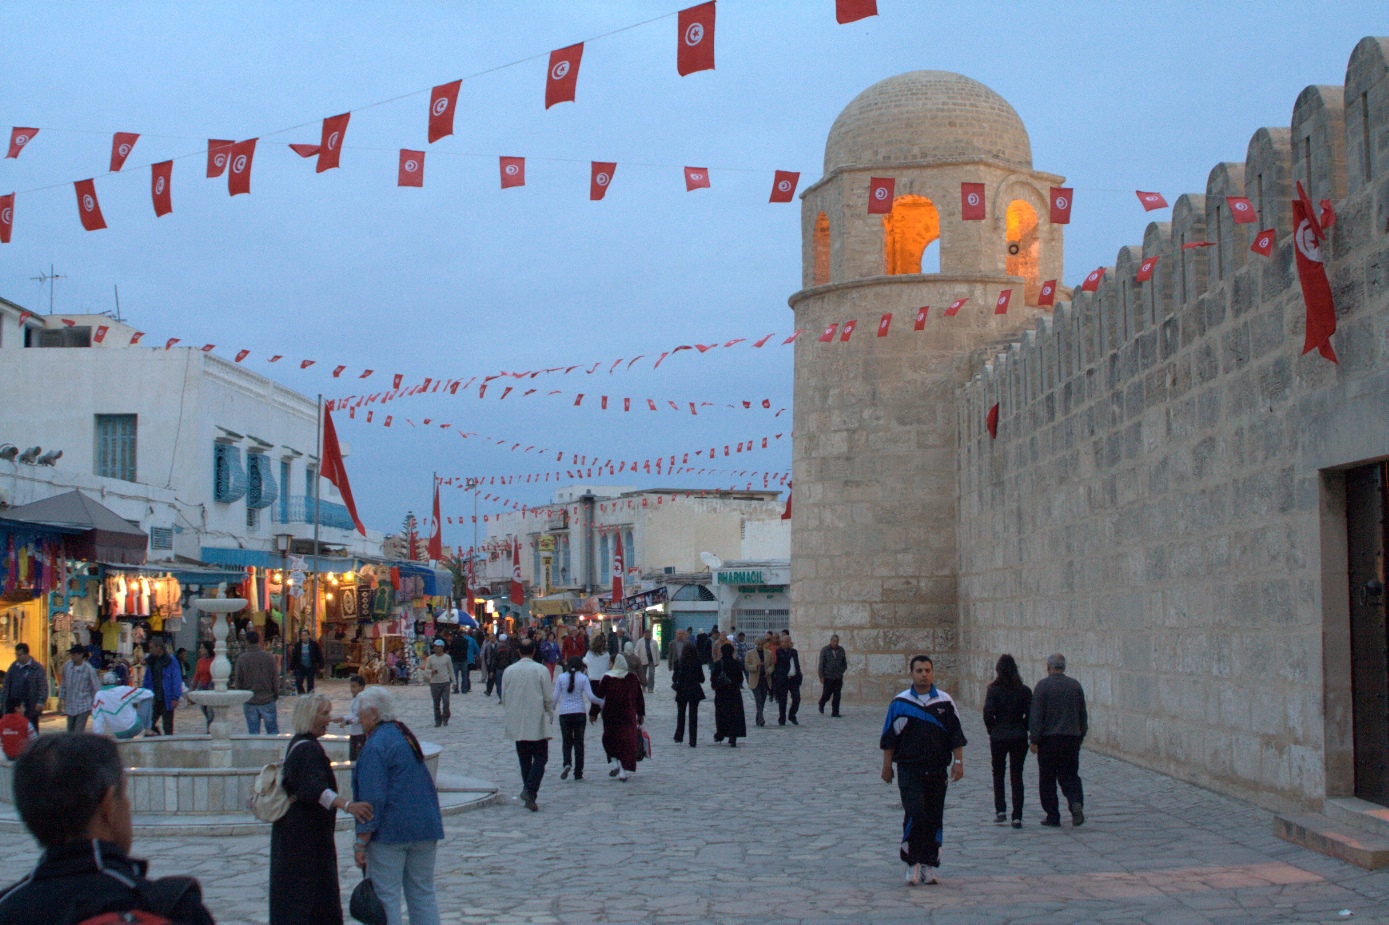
1368, 817
1322, 835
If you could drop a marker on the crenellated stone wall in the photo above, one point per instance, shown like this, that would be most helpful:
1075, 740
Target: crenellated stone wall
1164, 502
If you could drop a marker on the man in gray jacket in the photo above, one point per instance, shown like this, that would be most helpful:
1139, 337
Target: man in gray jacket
833, 665
1057, 725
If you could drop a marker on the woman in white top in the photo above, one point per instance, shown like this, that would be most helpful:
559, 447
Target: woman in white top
571, 691
597, 661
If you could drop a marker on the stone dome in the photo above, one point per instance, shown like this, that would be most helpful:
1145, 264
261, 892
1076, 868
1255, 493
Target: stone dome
927, 116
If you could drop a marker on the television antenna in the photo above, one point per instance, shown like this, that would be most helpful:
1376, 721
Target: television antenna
50, 278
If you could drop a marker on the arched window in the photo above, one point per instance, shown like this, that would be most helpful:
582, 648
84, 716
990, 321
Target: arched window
629, 550
1024, 249
911, 226
820, 249
604, 561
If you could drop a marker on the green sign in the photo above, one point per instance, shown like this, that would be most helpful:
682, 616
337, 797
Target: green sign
750, 577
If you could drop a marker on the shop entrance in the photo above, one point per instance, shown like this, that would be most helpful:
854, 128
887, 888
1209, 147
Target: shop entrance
1367, 529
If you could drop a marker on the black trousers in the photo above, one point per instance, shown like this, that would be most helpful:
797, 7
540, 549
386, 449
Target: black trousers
162, 716
831, 694
1002, 753
533, 756
1058, 762
783, 692
571, 730
923, 808
759, 697
440, 693
303, 680
682, 708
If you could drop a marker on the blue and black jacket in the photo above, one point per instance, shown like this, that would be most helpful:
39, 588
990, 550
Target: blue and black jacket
922, 730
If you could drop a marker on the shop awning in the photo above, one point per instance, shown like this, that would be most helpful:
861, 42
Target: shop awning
555, 605
104, 536
438, 582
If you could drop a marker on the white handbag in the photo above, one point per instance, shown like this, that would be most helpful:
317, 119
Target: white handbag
269, 801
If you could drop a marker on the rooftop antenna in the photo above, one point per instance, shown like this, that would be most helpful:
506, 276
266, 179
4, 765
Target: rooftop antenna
118, 302
50, 277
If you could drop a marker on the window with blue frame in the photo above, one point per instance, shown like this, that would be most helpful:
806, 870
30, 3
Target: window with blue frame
261, 490
228, 478
115, 446
284, 492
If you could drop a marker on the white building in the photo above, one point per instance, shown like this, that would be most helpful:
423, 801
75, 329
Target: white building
209, 458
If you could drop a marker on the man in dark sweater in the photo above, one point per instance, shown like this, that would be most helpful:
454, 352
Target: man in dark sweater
1056, 726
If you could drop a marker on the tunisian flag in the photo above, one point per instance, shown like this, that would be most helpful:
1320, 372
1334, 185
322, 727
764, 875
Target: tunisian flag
88, 209
1316, 290
443, 101
513, 171
436, 535
602, 175
619, 568
563, 76
411, 171
696, 178
786, 514
784, 185
847, 11
518, 591
880, 195
218, 151
161, 175
121, 145
1092, 281
330, 148
332, 468
695, 51
6, 217
1150, 201
1048, 294
19, 137
1001, 306
992, 421
972, 202
1061, 205
239, 160
1145, 269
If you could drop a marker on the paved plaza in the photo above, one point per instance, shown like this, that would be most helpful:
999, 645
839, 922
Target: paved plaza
796, 826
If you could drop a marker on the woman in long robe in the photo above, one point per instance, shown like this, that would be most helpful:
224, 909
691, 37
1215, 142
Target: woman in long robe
726, 676
624, 709
303, 855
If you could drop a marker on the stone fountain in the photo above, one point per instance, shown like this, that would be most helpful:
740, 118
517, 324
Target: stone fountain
219, 700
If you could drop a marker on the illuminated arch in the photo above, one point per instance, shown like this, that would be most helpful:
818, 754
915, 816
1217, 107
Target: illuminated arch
1024, 248
820, 249
911, 226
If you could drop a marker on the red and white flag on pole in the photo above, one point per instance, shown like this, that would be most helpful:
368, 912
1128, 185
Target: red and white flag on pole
1061, 205
563, 76
169, 344
696, 178
972, 202
513, 170
443, 101
847, 11
884, 324
330, 147
242, 354
239, 167
121, 146
955, 307
88, 209
6, 217
847, 331
1048, 294
695, 43
337, 371
1264, 241
305, 364
1145, 269
601, 176
1311, 273
784, 185
880, 195
828, 336
518, 590
208, 348
920, 323
619, 568
161, 176
1092, 282
100, 334
19, 137
135, 338
1001, 306
332, 469
436, 534
1241, 210
411, 169
1150, 201
218, 153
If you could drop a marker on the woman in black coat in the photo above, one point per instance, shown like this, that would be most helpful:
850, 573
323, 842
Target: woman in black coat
303, 855
726, 677
689, 691
1006, 708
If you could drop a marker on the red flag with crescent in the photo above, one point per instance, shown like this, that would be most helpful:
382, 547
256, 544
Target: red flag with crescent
563, 76
88, 209
784, 185
411, 169
880, 195
443, 100
1316, 289
1061, 205
695, 42
513, 170
972, 202
161, 177
600, 177
121, 145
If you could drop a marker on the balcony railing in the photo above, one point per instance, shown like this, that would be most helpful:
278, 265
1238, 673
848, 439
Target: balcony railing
301, 510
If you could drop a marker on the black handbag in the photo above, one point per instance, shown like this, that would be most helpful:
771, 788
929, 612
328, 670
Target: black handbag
365, 906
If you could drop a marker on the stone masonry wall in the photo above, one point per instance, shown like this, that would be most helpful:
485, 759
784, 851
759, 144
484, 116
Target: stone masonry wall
1161, 502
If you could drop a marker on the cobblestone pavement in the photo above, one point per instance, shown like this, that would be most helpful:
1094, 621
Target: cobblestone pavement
796, 826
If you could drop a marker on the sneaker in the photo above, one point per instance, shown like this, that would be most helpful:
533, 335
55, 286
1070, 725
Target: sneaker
914, 875
1051, 823
928, 876
1017, 823
1077, 814
564, 775
1000, 818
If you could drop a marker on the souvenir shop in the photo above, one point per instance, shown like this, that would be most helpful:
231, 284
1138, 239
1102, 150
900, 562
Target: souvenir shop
33, 567
379, 619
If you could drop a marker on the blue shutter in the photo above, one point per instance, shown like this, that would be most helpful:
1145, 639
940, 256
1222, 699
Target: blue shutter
229, 479
261, 491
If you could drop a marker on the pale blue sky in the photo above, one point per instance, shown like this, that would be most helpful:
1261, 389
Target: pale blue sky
463, 278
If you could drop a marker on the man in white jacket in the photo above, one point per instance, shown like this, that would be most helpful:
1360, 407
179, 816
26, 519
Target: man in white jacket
647, 654
530, 710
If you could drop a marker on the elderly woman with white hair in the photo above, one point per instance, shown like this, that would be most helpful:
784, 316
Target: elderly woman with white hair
396, 846
303, 853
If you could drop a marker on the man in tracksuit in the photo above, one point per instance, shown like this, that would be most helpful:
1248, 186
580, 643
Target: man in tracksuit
922, 735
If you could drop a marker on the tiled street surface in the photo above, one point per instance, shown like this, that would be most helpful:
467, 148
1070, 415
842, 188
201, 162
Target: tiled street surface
796, 826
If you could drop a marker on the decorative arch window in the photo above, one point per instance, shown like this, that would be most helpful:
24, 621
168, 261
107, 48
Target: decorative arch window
909, 230
820, 249
1024, 247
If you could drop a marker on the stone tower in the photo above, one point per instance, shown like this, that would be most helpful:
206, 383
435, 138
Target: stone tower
873, 549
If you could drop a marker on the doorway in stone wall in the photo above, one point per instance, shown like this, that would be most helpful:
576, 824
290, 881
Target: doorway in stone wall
1367, 533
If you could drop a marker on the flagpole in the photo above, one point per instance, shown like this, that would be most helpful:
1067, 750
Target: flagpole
318, 478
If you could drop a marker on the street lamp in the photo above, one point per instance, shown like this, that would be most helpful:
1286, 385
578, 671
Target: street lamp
282, 542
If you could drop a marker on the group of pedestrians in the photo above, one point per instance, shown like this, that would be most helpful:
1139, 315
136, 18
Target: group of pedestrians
923, 750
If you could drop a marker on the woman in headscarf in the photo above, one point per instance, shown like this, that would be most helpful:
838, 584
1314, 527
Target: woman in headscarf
624, 709
726, 677
689, 691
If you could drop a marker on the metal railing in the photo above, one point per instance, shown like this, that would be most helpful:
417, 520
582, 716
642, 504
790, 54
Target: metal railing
301, 511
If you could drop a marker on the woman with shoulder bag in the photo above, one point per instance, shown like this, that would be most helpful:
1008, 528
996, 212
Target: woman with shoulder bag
726, 677
689, 691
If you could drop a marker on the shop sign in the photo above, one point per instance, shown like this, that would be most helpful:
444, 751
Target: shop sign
741, 577
547, 543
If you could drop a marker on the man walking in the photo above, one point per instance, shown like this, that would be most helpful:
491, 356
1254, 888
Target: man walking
78, 689
833, 664
164, 678
922, 735
305, 660
530, 709
1056, 727
786, 680
26, 684
502, 657
438, 669
758, 666
462, 652
677, 645
647, 655
256, 672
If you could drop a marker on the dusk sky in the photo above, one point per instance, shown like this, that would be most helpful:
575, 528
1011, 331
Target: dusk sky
461, 278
